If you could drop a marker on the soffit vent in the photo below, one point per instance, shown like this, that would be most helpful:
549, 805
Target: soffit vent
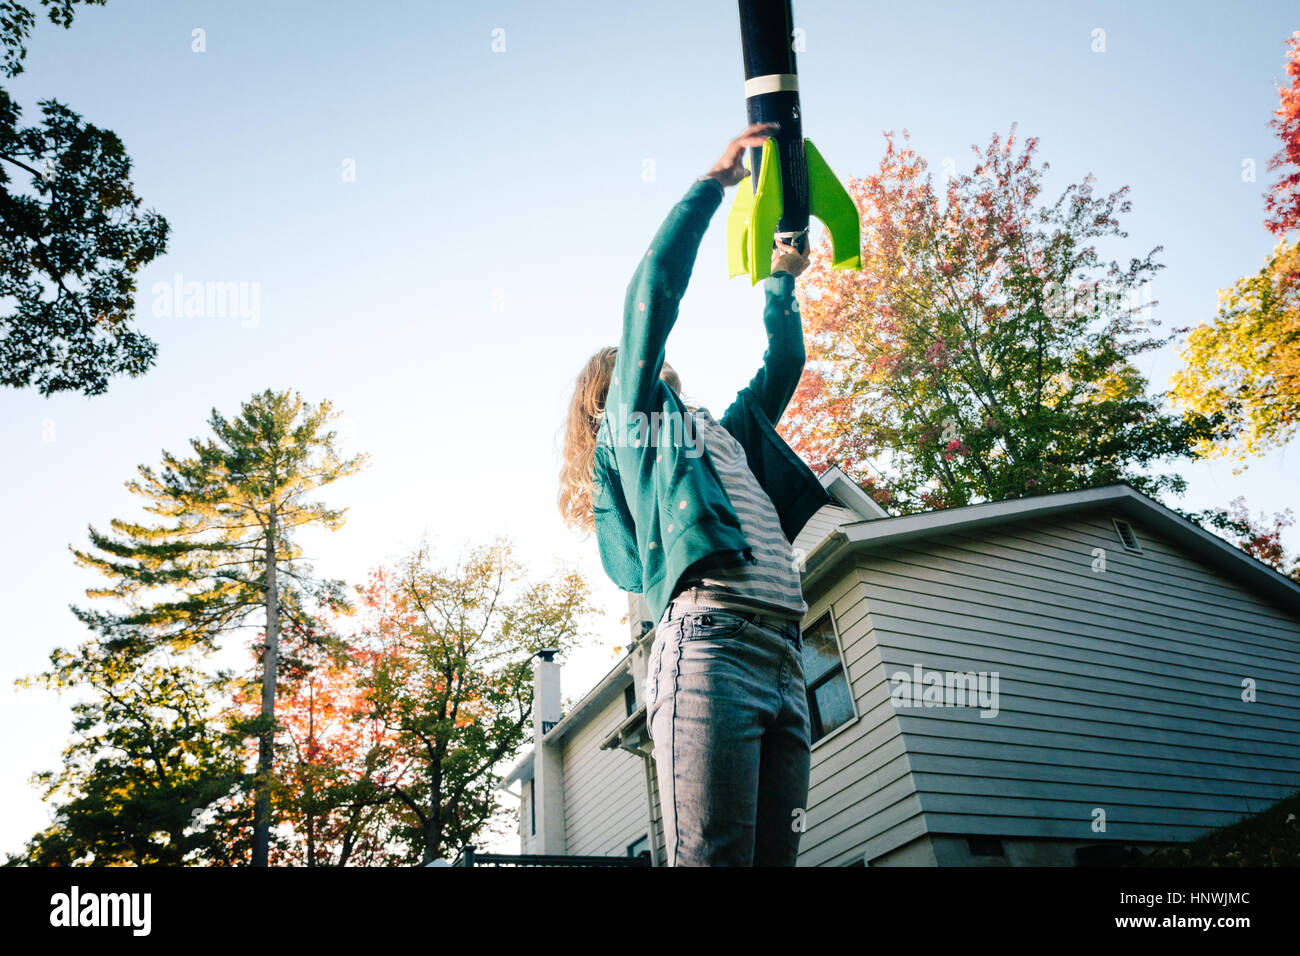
1126, 535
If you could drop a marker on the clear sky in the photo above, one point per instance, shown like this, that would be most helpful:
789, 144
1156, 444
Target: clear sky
447, 297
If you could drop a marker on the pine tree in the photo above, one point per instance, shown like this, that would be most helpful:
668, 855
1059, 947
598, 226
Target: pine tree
224, 553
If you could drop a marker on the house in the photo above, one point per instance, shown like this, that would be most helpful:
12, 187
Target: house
1052, 680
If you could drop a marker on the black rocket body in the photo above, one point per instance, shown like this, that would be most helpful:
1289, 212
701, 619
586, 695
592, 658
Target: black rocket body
772, 95
797, 183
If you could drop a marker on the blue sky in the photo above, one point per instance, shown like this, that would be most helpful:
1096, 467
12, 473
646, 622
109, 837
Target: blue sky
445, 299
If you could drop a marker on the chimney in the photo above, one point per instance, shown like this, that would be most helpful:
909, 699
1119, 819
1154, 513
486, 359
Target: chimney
548, 767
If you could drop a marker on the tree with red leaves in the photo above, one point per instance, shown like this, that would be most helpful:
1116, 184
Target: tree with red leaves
337, 765
1261, 537
985, 349
1283, 202
1244, 365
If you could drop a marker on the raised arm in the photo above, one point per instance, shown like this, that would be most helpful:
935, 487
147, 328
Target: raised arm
653, 295
777, 378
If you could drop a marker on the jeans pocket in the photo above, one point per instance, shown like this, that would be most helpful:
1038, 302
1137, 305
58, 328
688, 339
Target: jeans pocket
652, 673
650, 690
713, 624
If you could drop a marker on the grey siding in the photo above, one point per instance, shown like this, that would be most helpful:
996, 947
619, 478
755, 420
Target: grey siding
860, 790
604, 790
1118, 690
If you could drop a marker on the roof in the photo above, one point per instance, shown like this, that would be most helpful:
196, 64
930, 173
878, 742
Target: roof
859, 536
522, 770
850, 494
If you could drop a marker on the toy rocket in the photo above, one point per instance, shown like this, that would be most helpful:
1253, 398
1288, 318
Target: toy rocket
789, 179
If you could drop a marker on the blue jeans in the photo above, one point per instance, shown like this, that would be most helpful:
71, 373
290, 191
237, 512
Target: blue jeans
727, 712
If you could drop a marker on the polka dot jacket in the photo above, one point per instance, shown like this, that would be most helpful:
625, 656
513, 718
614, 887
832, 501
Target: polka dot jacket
659, 502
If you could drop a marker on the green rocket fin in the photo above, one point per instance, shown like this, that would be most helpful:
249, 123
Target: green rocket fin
753, 219
831, 203
738, 230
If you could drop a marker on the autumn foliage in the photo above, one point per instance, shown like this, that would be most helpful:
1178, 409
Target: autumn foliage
336, 766
389, 730
387, 740
1260, 537
1283, 201
451, 680
1244, 365
984, 350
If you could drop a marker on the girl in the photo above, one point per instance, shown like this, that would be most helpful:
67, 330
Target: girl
697, 513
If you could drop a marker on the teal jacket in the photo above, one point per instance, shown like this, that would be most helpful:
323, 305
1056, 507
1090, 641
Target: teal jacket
659, 503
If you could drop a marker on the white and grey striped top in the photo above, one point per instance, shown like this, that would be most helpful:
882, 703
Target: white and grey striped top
772, 585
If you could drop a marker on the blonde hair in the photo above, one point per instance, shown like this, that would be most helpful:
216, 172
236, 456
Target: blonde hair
577, 463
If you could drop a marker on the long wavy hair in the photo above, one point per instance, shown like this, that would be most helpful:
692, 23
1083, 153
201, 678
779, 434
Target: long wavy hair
577, 461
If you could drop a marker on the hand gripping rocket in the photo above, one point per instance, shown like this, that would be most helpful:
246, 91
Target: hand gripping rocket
789, 179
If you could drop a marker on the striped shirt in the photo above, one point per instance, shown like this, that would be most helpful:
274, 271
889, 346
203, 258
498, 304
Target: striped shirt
772, 585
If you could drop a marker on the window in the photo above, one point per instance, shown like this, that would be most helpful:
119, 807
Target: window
830, 703
641, 846
1126, 536
629, 699
532, 804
